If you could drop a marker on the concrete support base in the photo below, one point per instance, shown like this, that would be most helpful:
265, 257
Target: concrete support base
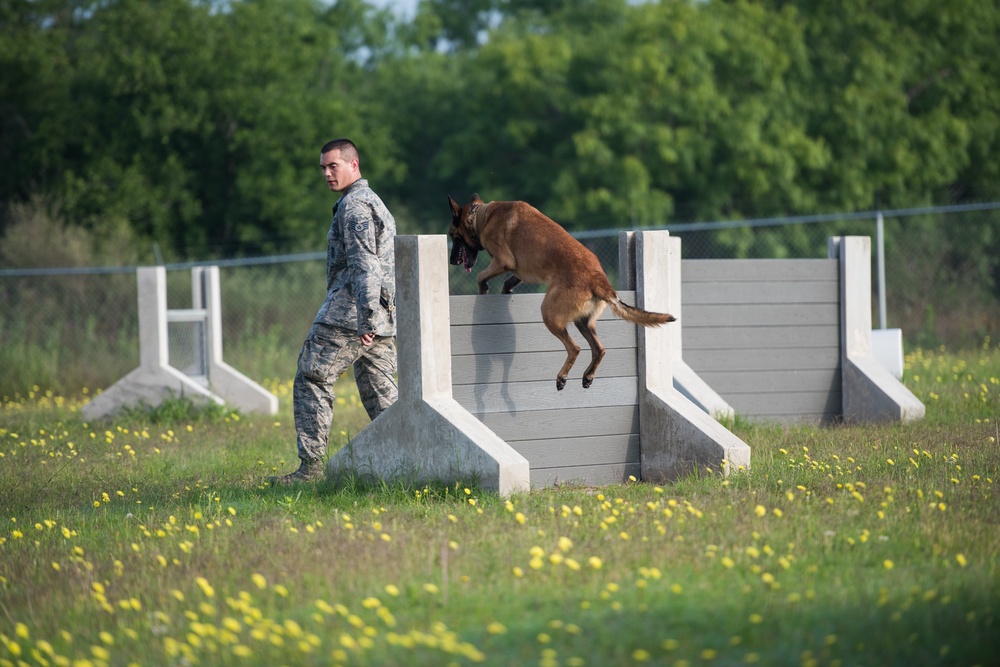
873, 394
678, 434
870, 392
420, 441
149, 387
691, 386
679, 437
155, 380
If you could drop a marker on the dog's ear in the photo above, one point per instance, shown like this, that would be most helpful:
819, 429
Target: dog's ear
476, 199
455, 208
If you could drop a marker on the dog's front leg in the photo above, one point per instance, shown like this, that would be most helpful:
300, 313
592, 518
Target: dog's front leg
494, 269
510, 284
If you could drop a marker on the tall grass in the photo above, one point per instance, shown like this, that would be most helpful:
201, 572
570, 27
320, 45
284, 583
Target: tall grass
153, 539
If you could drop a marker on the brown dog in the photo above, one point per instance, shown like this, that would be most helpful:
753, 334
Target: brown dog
535, 249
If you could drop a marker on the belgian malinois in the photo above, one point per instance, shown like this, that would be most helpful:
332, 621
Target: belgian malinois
535, 249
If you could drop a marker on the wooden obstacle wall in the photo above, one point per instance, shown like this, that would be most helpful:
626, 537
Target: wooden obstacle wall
503, 372
765, 334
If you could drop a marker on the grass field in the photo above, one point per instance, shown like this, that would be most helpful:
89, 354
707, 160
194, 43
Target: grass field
153, 540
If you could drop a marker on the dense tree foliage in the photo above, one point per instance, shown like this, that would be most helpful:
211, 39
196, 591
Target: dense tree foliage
195, 124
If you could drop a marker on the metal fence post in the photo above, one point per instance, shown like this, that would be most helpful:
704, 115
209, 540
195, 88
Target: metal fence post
880, 261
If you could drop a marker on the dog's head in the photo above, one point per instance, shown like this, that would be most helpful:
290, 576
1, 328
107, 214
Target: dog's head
464, 238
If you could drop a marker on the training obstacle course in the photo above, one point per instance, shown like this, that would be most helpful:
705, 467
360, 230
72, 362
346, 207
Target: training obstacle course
477, 397
205, 377
784, 340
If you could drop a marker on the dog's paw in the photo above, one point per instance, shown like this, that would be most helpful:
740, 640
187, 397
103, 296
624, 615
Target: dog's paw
587, 382
560, 383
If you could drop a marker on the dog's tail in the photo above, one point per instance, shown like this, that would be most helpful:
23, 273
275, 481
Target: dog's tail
637, 315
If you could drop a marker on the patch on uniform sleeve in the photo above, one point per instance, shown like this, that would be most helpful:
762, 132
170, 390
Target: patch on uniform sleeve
360, 225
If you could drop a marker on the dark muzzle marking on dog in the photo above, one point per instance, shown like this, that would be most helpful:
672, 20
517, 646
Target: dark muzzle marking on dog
463, 255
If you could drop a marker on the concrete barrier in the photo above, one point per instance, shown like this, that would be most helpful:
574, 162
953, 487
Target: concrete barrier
870, 391
426, 435
788, 340
210, 380
499, 421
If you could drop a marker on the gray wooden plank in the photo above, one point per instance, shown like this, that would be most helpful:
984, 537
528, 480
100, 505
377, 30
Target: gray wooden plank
601, 475
783, 404
756, 292
769, 382
797, 418
598, 450
530, 366
754, 338
569, 423
495, 308
507, 308
738, 270
533, 337
528, 396
751, 315
809, 358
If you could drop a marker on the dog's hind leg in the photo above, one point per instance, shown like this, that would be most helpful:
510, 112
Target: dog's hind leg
509, 284
557, 326
588, 327
572, 352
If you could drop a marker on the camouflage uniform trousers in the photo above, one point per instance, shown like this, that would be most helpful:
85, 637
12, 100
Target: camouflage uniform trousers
326, 354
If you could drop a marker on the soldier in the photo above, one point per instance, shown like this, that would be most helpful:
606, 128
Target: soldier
356, 323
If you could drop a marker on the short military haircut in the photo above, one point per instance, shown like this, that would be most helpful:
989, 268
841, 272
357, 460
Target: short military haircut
346, 147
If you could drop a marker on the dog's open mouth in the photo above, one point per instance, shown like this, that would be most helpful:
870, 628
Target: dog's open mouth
465, 258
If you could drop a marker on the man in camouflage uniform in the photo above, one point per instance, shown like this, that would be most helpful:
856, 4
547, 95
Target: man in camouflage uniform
356, 323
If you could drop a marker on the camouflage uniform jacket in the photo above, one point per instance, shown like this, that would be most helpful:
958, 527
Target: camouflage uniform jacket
360, 264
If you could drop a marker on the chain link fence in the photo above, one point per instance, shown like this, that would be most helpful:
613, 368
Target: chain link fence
66, 330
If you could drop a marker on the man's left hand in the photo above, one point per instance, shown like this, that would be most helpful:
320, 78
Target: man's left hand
367, 339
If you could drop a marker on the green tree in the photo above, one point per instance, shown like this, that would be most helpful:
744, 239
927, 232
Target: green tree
608, 114
196, 122
605, 113
199, 124
901, 92
34, 92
